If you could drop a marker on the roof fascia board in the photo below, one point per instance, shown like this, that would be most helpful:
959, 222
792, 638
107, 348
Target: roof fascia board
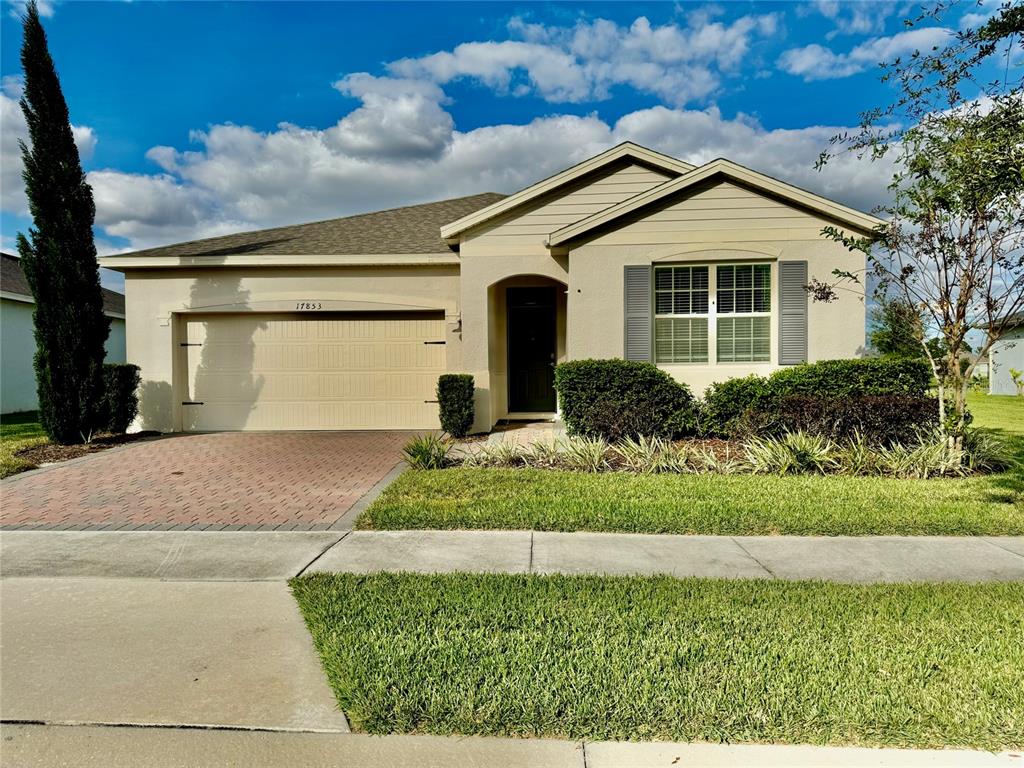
858, 220
279, 260
17, 297
450, 232
22, 298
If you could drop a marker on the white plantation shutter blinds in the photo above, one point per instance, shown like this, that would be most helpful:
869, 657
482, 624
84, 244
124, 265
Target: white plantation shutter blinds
637, 313
792, 312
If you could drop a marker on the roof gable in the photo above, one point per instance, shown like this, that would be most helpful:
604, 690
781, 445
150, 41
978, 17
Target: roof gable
788, 193
626, 151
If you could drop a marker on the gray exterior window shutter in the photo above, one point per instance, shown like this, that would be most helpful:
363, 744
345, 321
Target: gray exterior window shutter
638, 313
792, 312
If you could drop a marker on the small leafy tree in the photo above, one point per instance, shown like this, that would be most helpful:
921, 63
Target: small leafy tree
953, 245
59, 255
897, 329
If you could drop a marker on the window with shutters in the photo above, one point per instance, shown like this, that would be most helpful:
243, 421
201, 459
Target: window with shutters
743, 313
681, 300
724, 307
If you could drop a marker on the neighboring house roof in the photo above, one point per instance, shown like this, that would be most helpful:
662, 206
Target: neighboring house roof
14, 285
720, 167
409, 230
625, 151
1013, 320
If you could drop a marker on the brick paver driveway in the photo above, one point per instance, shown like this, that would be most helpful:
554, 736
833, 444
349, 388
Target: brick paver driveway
251, 480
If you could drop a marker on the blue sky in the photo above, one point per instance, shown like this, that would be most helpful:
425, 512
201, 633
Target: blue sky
201, 118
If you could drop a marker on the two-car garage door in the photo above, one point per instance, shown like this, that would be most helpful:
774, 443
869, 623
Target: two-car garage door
312, 371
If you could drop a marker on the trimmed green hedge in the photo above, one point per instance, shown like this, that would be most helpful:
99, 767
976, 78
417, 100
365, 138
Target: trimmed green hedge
853, 378
622, 398
726, 401
120, 396
879, 419
455, 402
756, 399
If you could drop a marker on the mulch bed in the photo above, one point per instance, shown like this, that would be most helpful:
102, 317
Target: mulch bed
723, 449
50, 453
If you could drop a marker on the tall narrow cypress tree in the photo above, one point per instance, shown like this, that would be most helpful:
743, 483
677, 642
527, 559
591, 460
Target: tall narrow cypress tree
59, 255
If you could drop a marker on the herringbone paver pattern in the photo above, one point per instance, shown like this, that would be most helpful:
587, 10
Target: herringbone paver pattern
250, 480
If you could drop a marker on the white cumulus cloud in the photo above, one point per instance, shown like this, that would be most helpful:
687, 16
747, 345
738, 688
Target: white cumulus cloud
678, 63
816, 62
13, 128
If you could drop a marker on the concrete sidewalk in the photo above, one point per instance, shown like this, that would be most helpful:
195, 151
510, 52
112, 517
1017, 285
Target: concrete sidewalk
160, 653
35, 745
248, 556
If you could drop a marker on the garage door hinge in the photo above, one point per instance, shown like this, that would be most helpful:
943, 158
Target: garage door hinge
190, 344
192, 402
435, 342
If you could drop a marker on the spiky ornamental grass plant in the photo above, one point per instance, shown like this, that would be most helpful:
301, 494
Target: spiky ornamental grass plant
59, 255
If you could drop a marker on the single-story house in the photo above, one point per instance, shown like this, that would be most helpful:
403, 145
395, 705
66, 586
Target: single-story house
17, 337
1005, 355
347, 323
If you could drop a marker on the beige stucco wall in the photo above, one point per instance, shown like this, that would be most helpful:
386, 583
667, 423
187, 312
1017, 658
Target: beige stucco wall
511, 251
156, 300
718, 223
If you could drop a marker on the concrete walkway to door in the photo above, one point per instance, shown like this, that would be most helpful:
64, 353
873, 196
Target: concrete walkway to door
223, 481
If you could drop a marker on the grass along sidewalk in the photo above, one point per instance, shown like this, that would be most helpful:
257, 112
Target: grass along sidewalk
658, 658
733, 505
17, 432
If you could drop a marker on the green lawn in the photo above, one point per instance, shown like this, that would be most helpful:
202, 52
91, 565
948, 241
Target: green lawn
17, 431
658, 658
716, 504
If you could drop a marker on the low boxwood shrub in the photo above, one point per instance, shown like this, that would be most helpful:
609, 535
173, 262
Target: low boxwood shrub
878, 419
455, 402
853, 378
615, 399
726, 401
120, 396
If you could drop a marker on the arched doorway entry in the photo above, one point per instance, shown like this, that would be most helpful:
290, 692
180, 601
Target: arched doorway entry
527, 341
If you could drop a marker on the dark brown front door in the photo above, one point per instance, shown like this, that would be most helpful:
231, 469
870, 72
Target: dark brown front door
531, 349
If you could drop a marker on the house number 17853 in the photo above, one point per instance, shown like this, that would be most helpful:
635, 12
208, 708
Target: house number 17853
308, 305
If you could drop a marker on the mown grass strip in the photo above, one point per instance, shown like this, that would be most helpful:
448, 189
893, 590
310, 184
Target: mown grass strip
657, 658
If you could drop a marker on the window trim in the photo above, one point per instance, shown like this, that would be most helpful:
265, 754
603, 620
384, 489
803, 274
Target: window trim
712, 313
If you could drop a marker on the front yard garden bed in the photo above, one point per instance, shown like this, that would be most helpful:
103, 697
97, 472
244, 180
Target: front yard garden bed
686, 660
715, 503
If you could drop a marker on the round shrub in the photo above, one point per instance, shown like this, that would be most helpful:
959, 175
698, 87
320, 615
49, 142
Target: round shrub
455, 402
615, 399
726, 401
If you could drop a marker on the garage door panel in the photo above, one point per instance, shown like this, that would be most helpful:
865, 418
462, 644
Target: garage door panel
266, 372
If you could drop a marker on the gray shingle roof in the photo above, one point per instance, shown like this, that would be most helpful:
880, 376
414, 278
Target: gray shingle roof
12, 280
413, 229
